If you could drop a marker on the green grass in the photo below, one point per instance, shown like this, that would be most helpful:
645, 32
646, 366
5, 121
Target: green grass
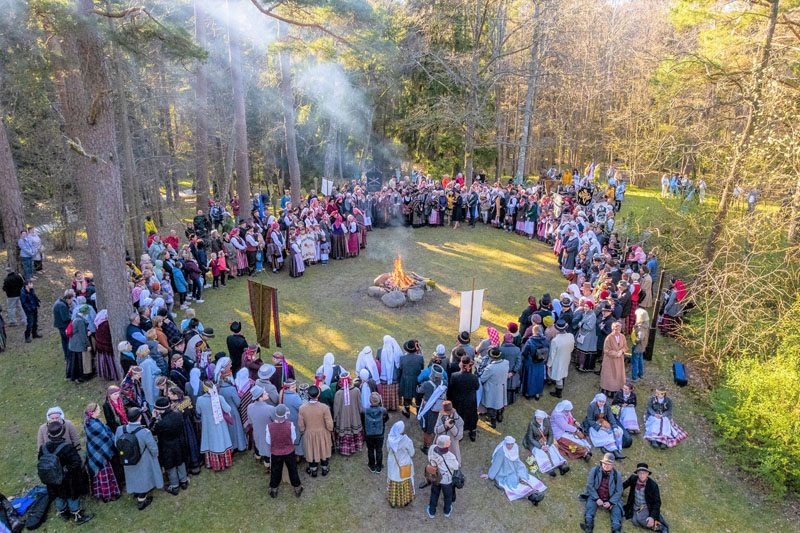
328, 310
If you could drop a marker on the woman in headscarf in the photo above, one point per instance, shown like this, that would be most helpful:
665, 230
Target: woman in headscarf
339, 241
586, 336
133, 394
540, 442
183, 404
389, 356
511, 475
215, 441
624, 407
534, 357
99, 453
400, 488
241, 251
194, 388
80, 364
114, 409
567, 434
296, 265
330, 370
275, 245
603, 427
366, 360
224, 378
243, 385
349, 437
673, 309
352, 239
660, 428
104, 348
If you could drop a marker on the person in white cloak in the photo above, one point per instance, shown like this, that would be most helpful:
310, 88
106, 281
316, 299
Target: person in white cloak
511, 475
330, 370
389, 356
367, 360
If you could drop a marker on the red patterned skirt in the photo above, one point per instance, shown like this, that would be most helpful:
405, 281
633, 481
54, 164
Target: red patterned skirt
104, 484
632, 316
218, 461
389, 394
106, 368
349, 443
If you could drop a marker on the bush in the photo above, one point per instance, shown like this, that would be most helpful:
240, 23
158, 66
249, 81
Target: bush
757, 410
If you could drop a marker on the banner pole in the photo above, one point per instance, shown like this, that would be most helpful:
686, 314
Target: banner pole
471, 304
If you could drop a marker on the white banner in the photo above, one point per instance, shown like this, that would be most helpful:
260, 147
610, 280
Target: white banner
469, 316
327, 187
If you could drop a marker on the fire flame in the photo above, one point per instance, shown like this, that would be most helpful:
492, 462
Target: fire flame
399, 279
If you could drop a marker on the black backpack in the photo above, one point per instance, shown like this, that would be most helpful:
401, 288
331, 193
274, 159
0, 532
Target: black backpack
373, 421
128, 446
50, 469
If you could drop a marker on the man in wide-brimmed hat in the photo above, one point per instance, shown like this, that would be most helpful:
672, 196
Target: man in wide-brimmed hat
603, 491
464, 342
560, 354
495, 379
411, 365
643, 507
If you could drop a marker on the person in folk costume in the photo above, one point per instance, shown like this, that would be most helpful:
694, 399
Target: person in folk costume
347, 417
66, 494
292, 400
434, 393
316, 424
114, 408
283, 370
560, 355
612, 375
462, 391
660, 427
623, 405
243, 385
361, 227
183, 405
400, 490
534, 356
539, 440
352, 239
511, 353
133, 393
100, 453
330, 370
275, 246
215, 438
338, 239
643, 506
106, 365
241, 252
265, 372
367, 386
366, 360
493, 381
296, 265
260, 413
194, 387
145, 475
603, 427
224, 379
409, 369
172, 446
253, 362
280, 436
389, 356
603, 491
567, 434
178, 374
327, 393
586, 336
511, 475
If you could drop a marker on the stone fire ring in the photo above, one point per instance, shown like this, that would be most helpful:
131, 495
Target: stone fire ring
392, 297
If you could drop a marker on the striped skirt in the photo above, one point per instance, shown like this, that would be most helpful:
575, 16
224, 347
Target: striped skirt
349, 443
632, 317
389, 395
400, 493
106, 368
104, 484
218, 461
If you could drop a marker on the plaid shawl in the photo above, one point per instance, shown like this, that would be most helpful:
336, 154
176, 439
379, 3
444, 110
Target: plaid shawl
99, 444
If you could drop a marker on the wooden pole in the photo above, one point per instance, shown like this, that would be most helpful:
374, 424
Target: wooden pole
471, 305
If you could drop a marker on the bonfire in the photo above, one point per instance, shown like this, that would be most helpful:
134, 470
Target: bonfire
399, 279
395, 286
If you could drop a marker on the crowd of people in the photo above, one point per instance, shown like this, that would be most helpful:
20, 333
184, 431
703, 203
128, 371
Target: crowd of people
180, 406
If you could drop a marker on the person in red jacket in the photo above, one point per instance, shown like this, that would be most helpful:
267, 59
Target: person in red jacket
281, 435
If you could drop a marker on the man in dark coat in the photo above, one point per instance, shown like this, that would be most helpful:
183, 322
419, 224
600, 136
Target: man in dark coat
67, 495
411, 365
237, 344
643, 507
462, 391
12, 286
172, 445
30, 304
603, 491
624, 301
511, 353
62, 317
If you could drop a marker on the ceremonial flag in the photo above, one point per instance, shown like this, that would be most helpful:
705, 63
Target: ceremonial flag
264, 310
469, 314
590, 171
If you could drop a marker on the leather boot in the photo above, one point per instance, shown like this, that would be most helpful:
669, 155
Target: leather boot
81, 517
556, 393
500, 415
15, 521
472, 435
493, 422
563, 469
618, 455
587, 527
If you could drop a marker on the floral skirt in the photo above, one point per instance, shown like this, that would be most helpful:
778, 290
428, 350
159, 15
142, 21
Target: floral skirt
349, 443
389, 395
218, 461
104, 484
106, 368
571, 449
400, 493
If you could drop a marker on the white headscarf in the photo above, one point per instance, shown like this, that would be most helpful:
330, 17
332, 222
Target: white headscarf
390, 358
327, 367
563, 405
194, 380
365, 389
242, 380
157, 304
600, 397
54, 410
367, 361
100, 317
395, 435
513, 453
540, 414
222, 363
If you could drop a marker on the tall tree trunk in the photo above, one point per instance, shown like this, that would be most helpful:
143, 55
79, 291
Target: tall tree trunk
533, 71
330, 150
744, 141
287, 97
500, 140
201, 114
99, 184
794, 221
10, 200
240, 118
165, 123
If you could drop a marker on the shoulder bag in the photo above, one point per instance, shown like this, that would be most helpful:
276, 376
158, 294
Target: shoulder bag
458, 476
405, 470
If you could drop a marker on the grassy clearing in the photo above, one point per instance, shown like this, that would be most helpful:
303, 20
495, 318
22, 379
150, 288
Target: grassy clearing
328, 310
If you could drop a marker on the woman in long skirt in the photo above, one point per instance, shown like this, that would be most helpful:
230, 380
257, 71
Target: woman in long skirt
183, 403
352, 241
99, 453
339, 240
349, 434
400, 488
296, 266
106, 367
533, 368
